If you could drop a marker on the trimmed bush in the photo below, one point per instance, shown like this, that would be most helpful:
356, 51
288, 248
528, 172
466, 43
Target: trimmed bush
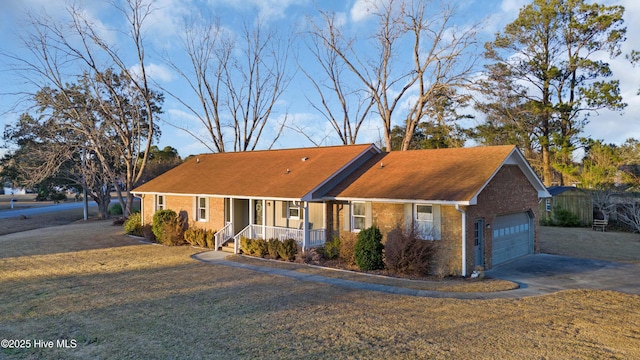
173, 233
368, 250
332, 249
160, 218
406, 254
347, 248
133, 225
260, 247
273, 246
168, 228
246, 245
196, 236
288, 250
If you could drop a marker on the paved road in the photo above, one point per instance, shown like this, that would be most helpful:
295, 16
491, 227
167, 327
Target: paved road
5, 214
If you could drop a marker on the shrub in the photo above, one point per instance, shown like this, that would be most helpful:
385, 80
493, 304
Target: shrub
273, 246
288, 250
160, 218
133, 225
260, 247
368, 250
168, 227
172, 233
405, 253
196, 236
566, 218
347, 248
246, 245
115, 209
332, 248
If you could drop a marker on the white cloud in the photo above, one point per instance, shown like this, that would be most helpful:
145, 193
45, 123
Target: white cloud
267, 9
154, 71
364, 9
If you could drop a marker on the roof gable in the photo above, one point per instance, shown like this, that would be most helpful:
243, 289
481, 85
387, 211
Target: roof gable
289, 173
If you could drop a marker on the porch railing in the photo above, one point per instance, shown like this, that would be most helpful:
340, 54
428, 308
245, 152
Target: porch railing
223, 235
316, 236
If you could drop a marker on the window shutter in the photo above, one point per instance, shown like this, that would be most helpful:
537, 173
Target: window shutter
436, 222
346, 212
368, 217
194, 209
408, 217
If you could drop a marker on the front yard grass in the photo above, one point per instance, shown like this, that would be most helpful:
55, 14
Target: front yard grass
119, 298
590, 244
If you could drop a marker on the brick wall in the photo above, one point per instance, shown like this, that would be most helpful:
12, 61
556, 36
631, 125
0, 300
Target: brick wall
179, 203
388, 217
509, 192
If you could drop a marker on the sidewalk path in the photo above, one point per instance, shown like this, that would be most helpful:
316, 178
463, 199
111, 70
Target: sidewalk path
218, 258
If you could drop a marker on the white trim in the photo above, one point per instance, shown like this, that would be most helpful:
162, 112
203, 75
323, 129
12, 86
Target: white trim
294, 206
156, 204
400, 201
363, 216
464, 240
198, 208
226, 196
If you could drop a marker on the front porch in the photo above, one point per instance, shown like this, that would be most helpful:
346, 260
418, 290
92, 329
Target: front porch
272, 219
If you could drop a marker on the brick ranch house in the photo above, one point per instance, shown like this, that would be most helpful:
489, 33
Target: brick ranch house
481, 203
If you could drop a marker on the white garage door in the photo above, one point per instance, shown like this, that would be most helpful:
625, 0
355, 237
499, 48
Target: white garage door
512, 237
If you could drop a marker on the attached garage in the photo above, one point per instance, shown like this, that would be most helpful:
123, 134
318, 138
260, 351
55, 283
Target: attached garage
512, 237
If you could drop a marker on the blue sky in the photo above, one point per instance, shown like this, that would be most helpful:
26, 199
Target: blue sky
165, 21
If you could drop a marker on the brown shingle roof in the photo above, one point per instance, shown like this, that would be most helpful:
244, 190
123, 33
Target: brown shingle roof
256, 173
438, 174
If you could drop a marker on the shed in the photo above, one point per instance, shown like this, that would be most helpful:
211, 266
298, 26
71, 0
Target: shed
575, 200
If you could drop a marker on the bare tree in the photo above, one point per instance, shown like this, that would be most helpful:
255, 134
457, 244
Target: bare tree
630, 215
237, 81
129, 106
436, 65
344, 108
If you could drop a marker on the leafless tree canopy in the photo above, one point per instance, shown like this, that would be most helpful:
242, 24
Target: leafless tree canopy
437, 66
122, 95
237, 80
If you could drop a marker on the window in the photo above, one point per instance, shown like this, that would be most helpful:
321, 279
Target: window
547, 204
358, 216
424, 213
159, 202
293, 210
424, 222
203, 209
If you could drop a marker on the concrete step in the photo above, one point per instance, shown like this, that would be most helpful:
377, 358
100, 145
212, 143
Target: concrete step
229, 246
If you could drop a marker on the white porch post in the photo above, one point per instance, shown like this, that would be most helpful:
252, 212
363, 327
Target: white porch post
264, 218
305, 239
251, 217
324, 220
233, 225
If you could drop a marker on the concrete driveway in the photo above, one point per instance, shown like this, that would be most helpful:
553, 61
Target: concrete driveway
543, 273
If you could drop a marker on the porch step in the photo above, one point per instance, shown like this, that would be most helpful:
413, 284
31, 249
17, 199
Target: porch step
229, 246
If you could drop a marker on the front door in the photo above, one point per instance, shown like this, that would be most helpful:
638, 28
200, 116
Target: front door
478, 231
